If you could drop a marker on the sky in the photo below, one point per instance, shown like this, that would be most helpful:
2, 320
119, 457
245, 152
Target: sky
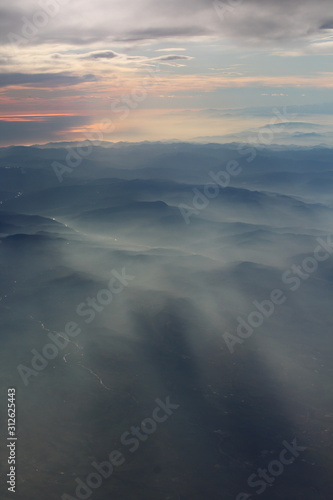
151, 70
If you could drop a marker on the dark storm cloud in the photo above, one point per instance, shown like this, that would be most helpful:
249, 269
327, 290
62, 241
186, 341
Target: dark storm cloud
42, 79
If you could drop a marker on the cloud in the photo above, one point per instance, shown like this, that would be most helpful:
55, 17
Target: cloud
282, 21
123, 58
213, 82
81, 22
303, 109
328, 25
173, 58
172, 49
28, 132
300, 133
293, 125
108, 54
158, 33
4, 61
316, 48
266, 111
42, 79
